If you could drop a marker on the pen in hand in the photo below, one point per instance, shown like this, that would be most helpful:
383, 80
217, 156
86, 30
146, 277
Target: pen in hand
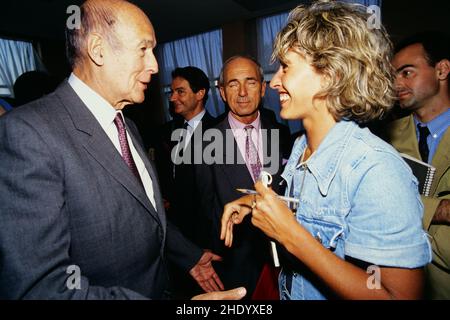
287, 199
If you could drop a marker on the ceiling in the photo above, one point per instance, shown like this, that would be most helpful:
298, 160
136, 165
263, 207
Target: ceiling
172, 19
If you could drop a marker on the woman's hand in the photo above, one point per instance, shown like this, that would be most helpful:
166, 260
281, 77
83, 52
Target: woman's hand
271, 214
234, 213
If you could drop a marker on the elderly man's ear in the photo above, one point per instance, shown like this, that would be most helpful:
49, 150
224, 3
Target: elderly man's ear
95, 48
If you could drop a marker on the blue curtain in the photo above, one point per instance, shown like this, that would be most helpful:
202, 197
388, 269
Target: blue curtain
16, 57
365, 2
203, 51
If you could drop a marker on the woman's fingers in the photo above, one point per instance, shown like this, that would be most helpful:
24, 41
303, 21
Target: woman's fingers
229, 234
228, 211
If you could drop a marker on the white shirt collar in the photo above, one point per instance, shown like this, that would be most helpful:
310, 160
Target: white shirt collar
193, 123
102, 110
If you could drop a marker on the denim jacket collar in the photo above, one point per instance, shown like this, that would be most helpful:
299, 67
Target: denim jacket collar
323, 164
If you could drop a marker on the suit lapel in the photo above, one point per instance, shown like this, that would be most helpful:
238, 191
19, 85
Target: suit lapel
100, 147
195, 146
151, 171
241, 175
403, 136
441, 159
237, 174
410, 131
207, 121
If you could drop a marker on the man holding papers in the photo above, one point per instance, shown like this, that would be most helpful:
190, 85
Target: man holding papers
422, 63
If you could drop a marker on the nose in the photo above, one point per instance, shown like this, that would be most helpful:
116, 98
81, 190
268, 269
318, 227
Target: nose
275, 83
399, 82
172, 96
243, 90
152, 64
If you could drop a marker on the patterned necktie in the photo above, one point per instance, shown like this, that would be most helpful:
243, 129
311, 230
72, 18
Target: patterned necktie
126, 152
251, 154
423, 145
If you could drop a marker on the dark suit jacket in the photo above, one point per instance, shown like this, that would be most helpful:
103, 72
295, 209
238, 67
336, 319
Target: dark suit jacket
242, 264
181, 182
68, 198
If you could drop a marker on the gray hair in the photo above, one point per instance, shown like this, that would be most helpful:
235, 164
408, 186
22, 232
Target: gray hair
248, 57
94, 17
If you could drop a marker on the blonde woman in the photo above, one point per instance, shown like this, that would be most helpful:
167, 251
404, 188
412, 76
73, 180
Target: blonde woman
357, 232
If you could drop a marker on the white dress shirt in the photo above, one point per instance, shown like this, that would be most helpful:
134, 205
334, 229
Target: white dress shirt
192, 124
105, 114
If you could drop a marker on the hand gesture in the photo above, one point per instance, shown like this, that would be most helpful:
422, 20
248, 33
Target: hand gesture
204, 273
234, 213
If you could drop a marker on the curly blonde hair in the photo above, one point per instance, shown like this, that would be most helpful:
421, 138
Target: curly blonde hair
339, 44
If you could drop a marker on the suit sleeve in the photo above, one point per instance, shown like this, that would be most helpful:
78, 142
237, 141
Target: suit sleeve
35, 232
440, 233
180, 250
209, 208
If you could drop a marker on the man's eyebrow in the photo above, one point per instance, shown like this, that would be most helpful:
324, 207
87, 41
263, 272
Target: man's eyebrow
148, 43
404, 67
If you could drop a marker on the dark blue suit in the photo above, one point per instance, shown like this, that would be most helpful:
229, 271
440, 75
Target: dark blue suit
242, 263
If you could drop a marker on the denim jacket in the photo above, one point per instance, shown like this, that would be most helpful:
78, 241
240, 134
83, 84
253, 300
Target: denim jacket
360, 200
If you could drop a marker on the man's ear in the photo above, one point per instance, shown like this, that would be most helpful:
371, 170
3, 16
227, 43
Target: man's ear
200, 94
95, 48
443, 69
222, 94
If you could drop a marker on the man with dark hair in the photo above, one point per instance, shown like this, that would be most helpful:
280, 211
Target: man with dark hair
189, 93
422, 63
176, 162
81, 213
197, 80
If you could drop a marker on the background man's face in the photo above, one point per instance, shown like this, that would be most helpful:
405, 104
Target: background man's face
416, 81
185, 101
242, 89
